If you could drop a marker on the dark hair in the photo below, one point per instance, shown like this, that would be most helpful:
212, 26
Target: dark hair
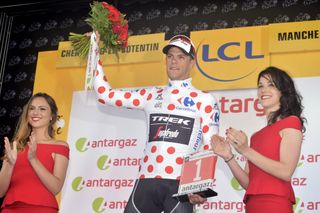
24, 129
290, 100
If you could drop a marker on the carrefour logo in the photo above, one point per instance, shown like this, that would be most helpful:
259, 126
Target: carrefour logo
228, 52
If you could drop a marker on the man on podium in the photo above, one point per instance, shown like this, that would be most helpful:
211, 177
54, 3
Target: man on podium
180, 120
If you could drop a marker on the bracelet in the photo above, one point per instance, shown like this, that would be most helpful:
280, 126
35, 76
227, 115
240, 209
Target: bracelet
229, 159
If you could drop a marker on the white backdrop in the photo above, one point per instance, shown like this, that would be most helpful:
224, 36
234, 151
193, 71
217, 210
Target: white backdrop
106, 144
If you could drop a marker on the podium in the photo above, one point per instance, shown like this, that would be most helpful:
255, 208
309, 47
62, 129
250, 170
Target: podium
197, 175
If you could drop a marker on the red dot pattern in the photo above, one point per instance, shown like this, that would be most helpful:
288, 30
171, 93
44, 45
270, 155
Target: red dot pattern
153, 149
169, 161
193, 94
198, 105
118, 103
169, 169
101, 90
208, 109
111, 94
171, 107
142, 92
205, 129
175, 91
127, 95
179, 160
159, 159
150, 168
171, 150
101, 101
136, 102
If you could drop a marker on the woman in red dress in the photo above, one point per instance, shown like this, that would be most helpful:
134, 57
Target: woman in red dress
35, 164
274, 150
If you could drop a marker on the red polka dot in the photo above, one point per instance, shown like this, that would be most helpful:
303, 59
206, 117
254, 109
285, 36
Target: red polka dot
136, 102
142, 92
198, 105
141, 177
145, 159
149, 97
127, 95
179, 160
178, 178
158, 177
206, 147
171, 107
101, 101
208, 109
160, 90
205, 129
150, 168
159, 159
153, 149
101, 90
193, 94
171, 150
175, 91
105, 79
119, 103
201, 120
111, 94
169, 169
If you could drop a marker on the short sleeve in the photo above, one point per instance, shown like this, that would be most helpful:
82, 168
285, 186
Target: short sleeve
291, 122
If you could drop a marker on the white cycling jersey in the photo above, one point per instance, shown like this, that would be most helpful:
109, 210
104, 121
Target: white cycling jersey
180, 120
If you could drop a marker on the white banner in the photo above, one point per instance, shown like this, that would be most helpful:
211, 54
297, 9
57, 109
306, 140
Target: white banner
106, 144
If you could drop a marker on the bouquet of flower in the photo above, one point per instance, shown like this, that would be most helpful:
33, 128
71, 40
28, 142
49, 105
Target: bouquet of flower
110, 23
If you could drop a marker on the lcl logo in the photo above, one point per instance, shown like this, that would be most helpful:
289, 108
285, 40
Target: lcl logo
230, 51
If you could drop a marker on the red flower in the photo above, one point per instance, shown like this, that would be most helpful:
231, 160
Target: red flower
117, 28
114, 14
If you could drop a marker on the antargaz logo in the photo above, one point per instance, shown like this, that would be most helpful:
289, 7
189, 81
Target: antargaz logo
296, 208
102, 162
235, 184
98, 205
81, 144
76, 184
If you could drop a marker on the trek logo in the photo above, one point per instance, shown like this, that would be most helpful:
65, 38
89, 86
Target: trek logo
225, 52
174, 119
170, 128
187, 101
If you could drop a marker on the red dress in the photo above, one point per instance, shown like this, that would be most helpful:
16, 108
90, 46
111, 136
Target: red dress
279, 192
26, 191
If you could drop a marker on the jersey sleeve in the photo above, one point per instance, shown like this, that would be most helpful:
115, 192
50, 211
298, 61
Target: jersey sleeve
210, 115
135, 98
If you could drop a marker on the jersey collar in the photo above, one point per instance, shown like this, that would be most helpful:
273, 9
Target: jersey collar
180, 83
